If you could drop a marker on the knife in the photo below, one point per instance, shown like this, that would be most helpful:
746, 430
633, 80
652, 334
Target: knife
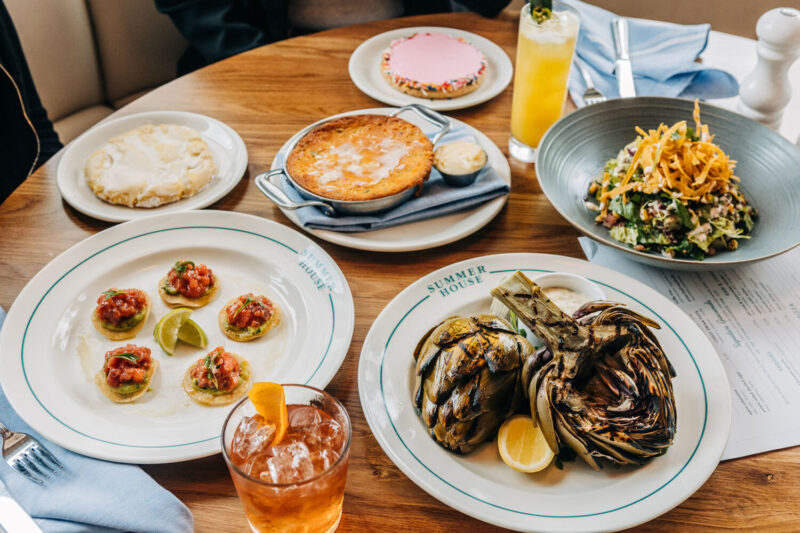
623, 62
14, 519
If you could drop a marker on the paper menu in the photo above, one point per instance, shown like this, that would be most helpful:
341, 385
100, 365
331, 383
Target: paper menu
751, 314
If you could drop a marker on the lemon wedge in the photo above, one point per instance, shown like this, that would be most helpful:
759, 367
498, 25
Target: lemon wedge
522, 445
270, 403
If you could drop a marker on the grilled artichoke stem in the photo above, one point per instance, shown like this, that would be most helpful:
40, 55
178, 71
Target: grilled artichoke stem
602, 385
467, 379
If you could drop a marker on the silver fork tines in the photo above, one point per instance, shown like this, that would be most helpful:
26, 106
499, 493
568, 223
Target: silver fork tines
591, 95
28, 456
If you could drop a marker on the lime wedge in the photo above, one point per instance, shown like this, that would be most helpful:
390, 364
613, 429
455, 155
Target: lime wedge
191, 333
166, 331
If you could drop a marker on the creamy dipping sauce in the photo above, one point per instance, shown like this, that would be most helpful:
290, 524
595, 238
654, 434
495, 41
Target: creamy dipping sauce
459, 157
568, 300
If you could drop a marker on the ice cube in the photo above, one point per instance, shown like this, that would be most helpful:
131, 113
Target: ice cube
291, 463
323, 459
326, 434
251, 437
303, 416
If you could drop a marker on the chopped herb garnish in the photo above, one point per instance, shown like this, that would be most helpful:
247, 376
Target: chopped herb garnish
209, 364
247, 301
111, 293
181, 266
126, 355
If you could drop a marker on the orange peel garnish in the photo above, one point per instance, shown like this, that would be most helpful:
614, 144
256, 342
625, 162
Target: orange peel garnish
270, 402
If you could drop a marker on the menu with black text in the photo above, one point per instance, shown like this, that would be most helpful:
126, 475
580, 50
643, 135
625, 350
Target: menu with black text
752, 316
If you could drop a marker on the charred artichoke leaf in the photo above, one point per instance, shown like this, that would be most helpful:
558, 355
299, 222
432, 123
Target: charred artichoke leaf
602, 387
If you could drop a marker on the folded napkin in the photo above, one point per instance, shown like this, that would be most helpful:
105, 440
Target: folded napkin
662, 55
437, 199
89, 494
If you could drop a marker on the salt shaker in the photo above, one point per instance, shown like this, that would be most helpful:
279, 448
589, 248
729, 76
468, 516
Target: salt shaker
765, 92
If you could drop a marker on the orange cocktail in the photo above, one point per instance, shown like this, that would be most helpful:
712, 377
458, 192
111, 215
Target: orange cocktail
544, 57
297, 485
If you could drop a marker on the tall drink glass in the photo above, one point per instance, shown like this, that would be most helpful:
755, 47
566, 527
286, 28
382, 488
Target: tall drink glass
544, 57
298, 485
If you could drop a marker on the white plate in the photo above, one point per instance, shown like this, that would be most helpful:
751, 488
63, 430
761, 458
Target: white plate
50, 351
425, 233
573, 499
365, 70
227, 148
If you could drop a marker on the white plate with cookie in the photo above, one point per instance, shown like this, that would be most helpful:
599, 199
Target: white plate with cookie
366, 71
51, 351
150, 163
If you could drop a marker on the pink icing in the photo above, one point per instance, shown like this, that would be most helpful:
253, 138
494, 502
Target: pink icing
434, 58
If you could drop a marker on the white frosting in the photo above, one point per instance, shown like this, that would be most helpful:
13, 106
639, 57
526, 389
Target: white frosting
359, 161
459, 157
150, 166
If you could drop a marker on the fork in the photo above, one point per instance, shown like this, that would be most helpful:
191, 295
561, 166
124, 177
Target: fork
28, 456
591, 95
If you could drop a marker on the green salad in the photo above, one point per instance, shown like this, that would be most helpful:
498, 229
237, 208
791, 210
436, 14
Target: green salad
672, 191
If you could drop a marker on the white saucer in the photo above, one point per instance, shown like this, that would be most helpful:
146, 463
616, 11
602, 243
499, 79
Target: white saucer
365, 70
227, 148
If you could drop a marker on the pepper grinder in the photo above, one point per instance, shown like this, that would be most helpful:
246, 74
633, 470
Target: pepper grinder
765, 92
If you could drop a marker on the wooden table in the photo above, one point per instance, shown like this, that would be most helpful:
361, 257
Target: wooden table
267, 95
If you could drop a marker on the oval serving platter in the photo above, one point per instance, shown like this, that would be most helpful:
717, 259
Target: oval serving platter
49, 350
570, 500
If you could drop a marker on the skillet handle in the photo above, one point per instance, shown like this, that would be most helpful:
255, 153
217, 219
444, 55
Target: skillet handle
431, 116
274, 193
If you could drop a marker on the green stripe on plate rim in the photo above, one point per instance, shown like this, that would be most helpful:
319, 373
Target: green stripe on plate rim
397, 433
25, 333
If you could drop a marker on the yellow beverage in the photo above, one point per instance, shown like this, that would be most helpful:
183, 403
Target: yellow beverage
544, 56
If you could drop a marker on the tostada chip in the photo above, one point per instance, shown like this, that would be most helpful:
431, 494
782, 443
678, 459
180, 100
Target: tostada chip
126, 373
188, 285
121, 313
218, 378
248, 316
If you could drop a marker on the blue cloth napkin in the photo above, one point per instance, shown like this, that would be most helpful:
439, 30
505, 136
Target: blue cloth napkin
662, 56
89, 494
437, 199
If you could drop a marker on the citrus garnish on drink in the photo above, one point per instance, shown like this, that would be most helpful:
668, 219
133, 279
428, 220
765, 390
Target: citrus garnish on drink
270, 403
522, 445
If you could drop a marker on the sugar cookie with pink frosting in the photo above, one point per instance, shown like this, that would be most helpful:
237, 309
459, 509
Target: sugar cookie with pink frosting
433, 65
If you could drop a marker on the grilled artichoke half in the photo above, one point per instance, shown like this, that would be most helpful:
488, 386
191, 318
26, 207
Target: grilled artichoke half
468, 379
602, 384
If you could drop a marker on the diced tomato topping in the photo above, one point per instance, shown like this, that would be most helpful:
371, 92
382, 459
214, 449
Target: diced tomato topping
114, 306
218, 370
127, 364
249, 310
191, 280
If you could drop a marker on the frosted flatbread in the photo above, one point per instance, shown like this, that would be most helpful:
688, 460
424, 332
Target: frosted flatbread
150, 166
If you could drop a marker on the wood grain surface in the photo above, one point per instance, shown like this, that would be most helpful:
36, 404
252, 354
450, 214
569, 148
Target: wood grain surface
267, 95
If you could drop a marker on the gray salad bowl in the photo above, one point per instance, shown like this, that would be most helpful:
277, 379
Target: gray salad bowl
576, 148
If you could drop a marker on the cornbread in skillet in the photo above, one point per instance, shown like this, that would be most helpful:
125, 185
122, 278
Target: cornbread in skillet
361, 157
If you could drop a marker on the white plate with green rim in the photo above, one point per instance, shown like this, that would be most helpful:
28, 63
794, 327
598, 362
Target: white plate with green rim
49, 350
570, 500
